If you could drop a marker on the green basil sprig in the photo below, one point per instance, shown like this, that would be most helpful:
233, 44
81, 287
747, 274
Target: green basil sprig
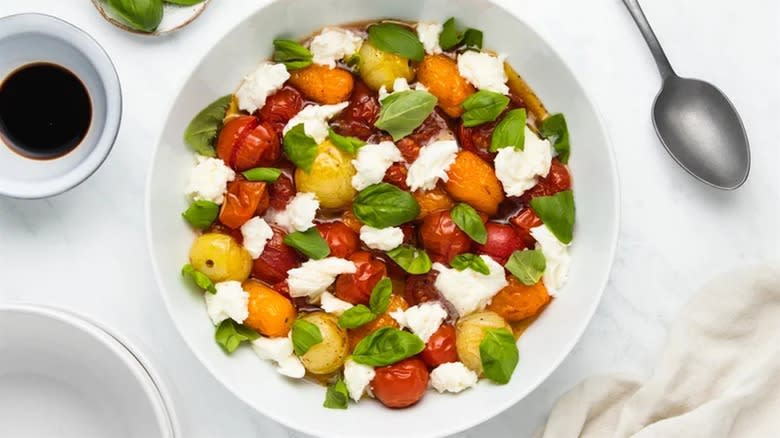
384, 205
394, 38
304, 336
468, 220
386, 346
143, 15
300, 148
557, 212
361, 315
452, 38
201, 214
347, 144
554, 127
410, 259
403, 112
499, 354
472, 39
292, 54
527, 266
356, 316
470, 261
199, 278
202, 130
267, 174
380, 296
510, 131
337, 396
309, 243
482, 107
230, 335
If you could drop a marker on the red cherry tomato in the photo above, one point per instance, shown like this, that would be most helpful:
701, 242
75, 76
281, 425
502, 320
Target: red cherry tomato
502, 241
420, 289
246, 142
283, 189
341, 240
243, 200
280, 107
523, 221
402, 384
442, 239
356, 288
276, 259
435, 125
556, 181
396, 175
440, 347
477, 139
358, 118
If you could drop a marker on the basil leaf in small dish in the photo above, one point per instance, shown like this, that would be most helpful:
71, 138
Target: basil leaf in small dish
499, 354
510, 131
230, 335
410, 259
200, 279
336, 396
356, 316
309, 243
300, 148
405, 111
468, 220
202, 130
184, 2
470, 261
482, 107
384, 205
527, 266
386, 346
394, 38
201, 214
347, 144
143, 15
557, 212
554, 127
380, 296
304, 336
266, 174
292, 54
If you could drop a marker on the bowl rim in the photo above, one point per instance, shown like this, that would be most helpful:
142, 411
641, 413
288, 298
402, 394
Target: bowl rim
105, 143
500, 406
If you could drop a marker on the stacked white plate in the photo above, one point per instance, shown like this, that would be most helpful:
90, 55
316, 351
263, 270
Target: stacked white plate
63, 376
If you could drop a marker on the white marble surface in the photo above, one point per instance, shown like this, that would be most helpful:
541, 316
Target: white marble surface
85, 250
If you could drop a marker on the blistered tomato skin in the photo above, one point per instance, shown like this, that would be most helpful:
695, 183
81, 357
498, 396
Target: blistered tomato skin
276, 259
280, 107
246, 142
244, 199
442, 239
502, 241
283, 189
440, 347
356, 288
402, 384
396, 175
556, 181
357, 119
341, 240
420, 289
523, 221
434, 127
476, 139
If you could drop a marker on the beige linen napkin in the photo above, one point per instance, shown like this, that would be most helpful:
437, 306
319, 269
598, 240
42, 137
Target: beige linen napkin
719, 375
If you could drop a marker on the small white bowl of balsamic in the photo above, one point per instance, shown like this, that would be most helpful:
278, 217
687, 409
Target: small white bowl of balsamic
60, 106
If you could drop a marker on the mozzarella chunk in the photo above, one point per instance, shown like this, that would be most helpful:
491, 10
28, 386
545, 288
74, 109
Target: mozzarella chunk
299, 214
331, 304
423, 319
208, 180
230, 301
399, 85
383, 239
556, 256
432, 165
484, 71
357, 377
468, 290
263, 82
280, 351
372, 162
453, 377
315, 120
257, 233
334, 44
519, 170
429, 36
314, 276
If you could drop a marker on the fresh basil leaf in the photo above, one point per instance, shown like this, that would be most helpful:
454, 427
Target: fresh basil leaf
309, 243
356, 316
230, 335
470, 261
450, 37
292, 54
394, 38
527, 266
304, 336
554, 127
202, 130
337, 396
201, 214
300, 148
380, 296
410, 259
472, 39
183, 2
384, 205
386, 346
143, 15
510, 131
499, 355
347, 144
267, 174
482, 107
199, 278
405, 111
468, 220
557, 212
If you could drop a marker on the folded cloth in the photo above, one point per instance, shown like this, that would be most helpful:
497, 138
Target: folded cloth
718, 376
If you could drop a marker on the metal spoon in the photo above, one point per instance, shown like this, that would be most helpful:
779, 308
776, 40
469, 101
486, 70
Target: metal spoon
696, 122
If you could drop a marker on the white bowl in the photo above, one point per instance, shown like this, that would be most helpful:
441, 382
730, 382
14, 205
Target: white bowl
63, 376
545, 344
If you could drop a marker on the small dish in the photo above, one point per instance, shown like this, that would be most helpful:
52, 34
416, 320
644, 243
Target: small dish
175, 17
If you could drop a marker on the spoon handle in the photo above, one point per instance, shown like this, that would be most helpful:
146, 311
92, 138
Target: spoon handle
664, 67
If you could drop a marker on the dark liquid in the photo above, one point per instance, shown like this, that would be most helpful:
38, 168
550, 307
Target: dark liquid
45, 111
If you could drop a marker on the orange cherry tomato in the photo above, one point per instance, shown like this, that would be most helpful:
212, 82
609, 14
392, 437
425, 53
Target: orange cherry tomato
442, 239
517, 301
341, 240
440, 347
431, 201
276, 259
270, 313
246, 142
402, 384
243, 200
350, 220
356, 288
